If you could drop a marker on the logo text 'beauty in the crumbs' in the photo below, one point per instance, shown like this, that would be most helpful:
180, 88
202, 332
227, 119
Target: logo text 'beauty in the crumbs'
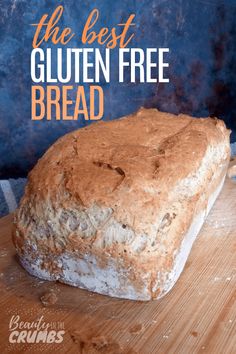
38, 331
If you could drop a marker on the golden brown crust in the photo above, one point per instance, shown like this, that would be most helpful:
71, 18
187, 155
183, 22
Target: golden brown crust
107, 162
149, 171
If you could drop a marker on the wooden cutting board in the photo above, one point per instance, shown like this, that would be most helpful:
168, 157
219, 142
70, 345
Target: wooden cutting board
197, 316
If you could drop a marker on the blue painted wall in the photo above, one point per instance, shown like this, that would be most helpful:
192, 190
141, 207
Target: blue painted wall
201, 36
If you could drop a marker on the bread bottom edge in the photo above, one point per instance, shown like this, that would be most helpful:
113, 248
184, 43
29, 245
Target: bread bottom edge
86, 273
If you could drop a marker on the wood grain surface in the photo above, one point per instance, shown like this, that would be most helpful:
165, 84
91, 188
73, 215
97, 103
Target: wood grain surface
197, 316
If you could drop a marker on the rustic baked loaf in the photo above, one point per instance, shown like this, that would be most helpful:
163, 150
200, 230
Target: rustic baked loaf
115, 207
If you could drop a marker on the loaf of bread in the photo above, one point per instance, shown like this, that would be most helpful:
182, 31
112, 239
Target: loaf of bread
116, 206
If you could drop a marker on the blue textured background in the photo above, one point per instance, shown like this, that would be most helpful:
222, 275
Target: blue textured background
201, 36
